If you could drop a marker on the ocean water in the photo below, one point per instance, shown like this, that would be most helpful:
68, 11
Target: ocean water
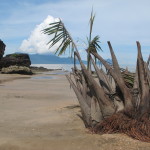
64, 67
67, 67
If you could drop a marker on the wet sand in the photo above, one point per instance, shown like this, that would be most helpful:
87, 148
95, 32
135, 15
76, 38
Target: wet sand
35, 115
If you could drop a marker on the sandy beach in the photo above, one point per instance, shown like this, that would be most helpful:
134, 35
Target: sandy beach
37, 113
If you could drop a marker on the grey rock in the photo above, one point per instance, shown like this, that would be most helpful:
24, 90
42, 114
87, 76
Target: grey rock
2, 48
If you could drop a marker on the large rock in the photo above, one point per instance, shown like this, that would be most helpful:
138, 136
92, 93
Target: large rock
15, 59
2, 49
17, 70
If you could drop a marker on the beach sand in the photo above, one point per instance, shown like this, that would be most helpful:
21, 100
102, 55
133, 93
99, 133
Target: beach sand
37, 113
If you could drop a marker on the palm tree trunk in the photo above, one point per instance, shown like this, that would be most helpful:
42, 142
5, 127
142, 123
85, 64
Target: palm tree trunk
106, 109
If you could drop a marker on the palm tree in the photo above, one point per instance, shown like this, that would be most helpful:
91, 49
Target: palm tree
106, 106
62, 36
93, 44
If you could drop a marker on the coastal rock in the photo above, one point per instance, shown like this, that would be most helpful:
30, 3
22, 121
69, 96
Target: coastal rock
15, 59
42, 69
17, 69
2, 48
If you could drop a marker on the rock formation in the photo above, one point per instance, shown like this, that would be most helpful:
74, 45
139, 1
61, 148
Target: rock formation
15, 59
2, 48
17, 69
14, 63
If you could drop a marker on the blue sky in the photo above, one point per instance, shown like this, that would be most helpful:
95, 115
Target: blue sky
122, 22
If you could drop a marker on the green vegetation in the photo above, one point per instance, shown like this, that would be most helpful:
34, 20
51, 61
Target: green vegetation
15, 55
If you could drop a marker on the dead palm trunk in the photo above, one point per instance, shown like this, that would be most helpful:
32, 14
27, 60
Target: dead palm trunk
108, 110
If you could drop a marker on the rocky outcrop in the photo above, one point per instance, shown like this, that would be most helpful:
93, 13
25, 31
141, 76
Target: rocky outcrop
42, 69
14, 63
15, 59
2, 48
17, 70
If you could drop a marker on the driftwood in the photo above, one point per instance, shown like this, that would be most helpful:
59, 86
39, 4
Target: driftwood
119, 105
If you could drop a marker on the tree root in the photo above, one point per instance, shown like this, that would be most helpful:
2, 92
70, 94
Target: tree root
121, 123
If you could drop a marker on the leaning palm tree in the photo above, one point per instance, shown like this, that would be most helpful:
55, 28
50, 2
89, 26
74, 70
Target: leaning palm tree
109, 104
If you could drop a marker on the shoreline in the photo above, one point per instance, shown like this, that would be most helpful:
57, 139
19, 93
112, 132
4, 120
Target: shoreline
41, 114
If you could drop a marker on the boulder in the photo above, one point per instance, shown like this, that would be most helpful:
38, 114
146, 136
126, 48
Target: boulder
15, 59
2, 48
17, 70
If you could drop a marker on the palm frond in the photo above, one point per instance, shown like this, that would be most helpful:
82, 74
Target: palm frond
94, 45
60, 36
91, 22
65, 45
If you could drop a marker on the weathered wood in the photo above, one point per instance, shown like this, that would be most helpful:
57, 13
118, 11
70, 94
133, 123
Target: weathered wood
147, 71
96, 114
81, 85
135, 90
102, 79
125, 91
114, 60
85, 109
107, 106
148, 61
143, 84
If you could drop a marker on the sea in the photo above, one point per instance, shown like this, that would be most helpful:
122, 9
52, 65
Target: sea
64, 67
67, 67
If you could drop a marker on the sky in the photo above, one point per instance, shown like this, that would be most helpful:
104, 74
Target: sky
123, 22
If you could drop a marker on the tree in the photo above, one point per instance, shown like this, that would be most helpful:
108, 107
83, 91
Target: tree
93, 44
120, 101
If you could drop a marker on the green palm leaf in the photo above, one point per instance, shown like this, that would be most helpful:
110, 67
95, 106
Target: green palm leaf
94, 45
61, 36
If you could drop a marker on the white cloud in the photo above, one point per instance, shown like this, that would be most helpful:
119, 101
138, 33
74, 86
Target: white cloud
37, 41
